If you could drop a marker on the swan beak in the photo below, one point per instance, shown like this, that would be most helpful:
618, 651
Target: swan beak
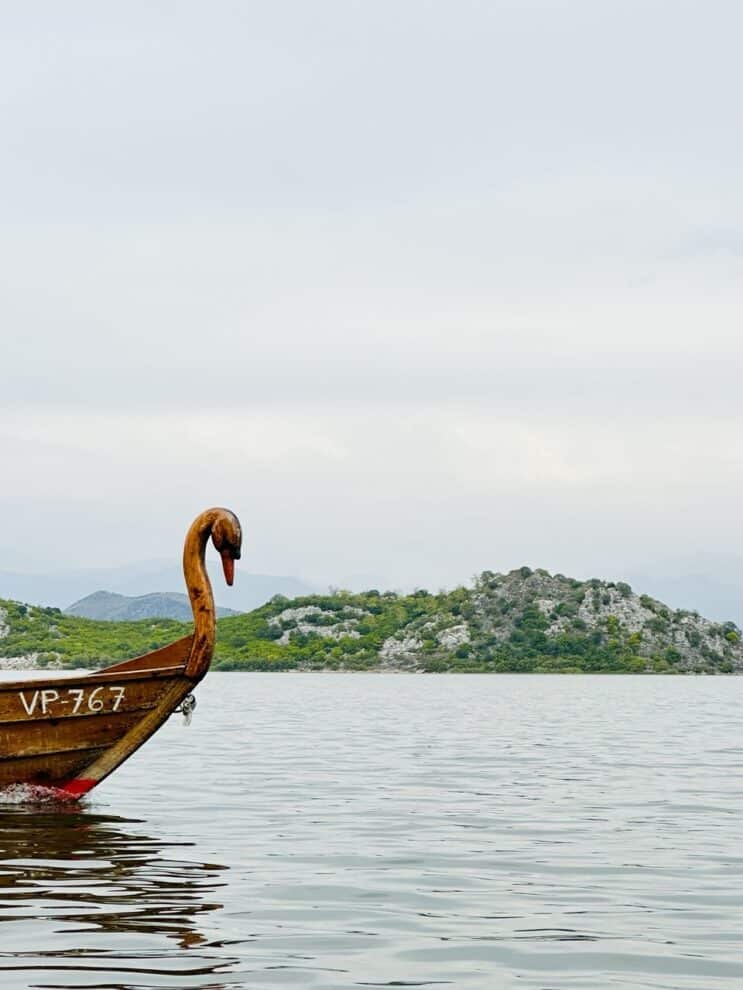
228, 566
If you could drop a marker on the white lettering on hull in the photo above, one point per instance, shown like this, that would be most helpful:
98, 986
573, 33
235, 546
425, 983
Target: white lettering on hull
73, 701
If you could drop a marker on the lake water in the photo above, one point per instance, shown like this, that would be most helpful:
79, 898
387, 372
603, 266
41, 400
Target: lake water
330, 830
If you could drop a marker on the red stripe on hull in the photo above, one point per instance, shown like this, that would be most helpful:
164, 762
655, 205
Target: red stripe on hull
78, 787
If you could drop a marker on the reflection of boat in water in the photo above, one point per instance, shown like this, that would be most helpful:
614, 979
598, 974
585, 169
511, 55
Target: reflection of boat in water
88, 877
70, 732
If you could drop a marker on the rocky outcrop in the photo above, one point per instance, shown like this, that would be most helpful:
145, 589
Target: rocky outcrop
312, 620
526, 620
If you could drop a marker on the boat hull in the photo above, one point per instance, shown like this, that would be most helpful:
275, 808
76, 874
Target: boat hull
69, 732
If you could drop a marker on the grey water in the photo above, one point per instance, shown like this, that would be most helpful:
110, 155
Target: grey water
362, 830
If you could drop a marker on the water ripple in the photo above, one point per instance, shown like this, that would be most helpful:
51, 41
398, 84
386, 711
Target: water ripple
331, 831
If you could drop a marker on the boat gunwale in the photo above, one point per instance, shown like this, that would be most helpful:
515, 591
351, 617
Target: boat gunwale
155, 674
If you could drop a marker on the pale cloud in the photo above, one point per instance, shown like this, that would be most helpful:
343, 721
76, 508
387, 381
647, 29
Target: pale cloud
419, 291
427, 495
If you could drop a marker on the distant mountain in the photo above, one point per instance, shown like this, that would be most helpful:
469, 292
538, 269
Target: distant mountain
58, 589
123, 608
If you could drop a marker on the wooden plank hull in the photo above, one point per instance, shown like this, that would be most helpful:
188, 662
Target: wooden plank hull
69, 732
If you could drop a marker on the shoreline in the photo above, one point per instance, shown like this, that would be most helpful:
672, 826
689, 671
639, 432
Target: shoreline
29, 664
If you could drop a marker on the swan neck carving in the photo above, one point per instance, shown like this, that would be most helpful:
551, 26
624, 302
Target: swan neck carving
224, 529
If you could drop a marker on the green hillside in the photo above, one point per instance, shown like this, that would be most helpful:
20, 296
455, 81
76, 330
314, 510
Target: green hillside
522, 621
53, 636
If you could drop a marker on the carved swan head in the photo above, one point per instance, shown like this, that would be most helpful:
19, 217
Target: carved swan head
227, 539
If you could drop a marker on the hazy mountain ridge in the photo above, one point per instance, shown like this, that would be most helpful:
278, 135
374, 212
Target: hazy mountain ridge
111, 607
521, 621
59, 589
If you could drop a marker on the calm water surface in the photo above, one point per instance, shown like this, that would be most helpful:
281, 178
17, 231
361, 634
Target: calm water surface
329, 830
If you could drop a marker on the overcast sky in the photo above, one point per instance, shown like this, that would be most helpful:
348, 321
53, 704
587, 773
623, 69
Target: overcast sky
417, 288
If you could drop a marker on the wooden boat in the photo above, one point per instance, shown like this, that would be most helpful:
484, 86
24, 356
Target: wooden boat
70, 732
